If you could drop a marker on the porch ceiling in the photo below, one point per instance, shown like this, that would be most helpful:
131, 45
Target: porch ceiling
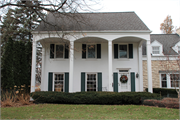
127, 40
54, 40
91, 40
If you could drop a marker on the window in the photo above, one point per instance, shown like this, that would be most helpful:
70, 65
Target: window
91, 51
155, 50
59, 51
179, 49
59, 82
163, 80
91, 82
169, 80
122, 51
174, 80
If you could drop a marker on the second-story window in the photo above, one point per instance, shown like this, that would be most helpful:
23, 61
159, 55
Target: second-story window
155, 50
91, 51
122, 51
59, 51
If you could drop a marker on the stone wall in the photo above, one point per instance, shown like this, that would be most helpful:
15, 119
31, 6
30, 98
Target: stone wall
158, 65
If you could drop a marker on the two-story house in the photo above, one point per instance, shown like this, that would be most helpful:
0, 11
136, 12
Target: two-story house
102, 54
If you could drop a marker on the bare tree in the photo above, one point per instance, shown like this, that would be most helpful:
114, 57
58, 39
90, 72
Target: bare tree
166, 26
68, 9
171, 66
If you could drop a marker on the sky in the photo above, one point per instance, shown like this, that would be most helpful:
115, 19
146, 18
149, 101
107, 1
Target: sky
151, 12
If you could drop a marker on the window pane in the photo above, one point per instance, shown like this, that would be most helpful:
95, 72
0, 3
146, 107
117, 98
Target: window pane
163, 77
123, 51
59, 51
91, 51
91, 82
163, 80
58, 82
174, 80
155, 50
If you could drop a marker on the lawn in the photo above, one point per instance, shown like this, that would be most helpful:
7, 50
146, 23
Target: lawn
61, 111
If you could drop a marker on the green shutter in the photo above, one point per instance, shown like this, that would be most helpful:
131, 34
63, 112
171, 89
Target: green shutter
132, 82
99, 81
131, 51
98, 51
51, 50
66, 52
115, 83
50, 80
84, 51
115, 51
83, 81
67, 82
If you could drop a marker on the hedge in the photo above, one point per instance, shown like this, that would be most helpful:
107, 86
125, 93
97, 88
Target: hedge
91, 97
164, 92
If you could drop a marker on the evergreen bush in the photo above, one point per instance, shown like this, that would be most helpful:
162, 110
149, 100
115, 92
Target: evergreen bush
91, 97
166, 92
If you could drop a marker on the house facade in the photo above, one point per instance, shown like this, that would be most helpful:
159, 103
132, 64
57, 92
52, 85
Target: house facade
105, 54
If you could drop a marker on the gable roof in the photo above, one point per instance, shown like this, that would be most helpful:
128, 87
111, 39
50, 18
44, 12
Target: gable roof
93, 22
167, 40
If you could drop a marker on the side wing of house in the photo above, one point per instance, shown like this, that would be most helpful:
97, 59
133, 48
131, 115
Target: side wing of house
165, 68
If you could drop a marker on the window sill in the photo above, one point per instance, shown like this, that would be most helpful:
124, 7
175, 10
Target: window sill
58, 59
123, 59
93, 59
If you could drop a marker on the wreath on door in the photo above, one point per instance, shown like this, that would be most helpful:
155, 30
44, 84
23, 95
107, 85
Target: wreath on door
123, 78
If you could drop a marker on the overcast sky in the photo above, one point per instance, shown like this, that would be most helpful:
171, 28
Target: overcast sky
151, 12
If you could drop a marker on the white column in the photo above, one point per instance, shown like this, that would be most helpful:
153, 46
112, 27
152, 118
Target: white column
71, 66
149, 71
43, 69
33, 67
110, 65
140, 69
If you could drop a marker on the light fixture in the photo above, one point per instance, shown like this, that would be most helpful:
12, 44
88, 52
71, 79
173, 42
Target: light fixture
137, 75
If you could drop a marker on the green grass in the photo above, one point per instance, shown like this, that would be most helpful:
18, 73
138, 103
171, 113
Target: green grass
60, 111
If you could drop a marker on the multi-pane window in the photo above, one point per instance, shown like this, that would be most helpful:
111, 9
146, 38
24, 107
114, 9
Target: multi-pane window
174, 80
59, 82
163, 80
123, 51
91, 51
91, 82
59, 51
155, 50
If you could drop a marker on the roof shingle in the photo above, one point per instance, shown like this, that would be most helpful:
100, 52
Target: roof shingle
93, 22
167, 40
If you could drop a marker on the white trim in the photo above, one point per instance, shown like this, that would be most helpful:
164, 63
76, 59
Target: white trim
156, 43
170, 57
175, 47
102, 31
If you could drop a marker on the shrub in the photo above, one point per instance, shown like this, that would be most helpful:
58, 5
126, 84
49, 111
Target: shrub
165, 92
91, 97
165, 102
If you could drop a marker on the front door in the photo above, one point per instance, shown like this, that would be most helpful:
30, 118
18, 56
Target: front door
124, 82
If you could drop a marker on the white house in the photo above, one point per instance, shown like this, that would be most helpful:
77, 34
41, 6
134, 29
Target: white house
92, 56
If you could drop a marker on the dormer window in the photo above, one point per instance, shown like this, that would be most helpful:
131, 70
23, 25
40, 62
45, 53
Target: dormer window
155, 50
179, 49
